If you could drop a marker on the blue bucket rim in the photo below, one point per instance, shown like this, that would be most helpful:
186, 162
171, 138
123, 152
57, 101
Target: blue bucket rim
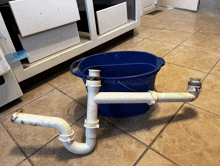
162, 63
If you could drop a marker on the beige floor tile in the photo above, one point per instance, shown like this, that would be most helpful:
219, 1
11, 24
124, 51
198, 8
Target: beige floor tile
126, 44
198, 18
24, 163
209, 97
144, 32
171, 17
169, 36
30, 95
145, 127
151, 158
214, 13
216, 70
10, 154
54, 104
178, 11
212, 28
192, 141
193, 58
113, 148
61, 78
76, 89
155, 23
185, 27
205, 41
217, 20
172, 78
152, 46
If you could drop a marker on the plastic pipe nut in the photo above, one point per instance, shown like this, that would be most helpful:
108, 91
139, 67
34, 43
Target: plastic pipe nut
67, 138
88, 124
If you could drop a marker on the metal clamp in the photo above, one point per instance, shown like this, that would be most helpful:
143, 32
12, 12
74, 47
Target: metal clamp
67, 138
91, 124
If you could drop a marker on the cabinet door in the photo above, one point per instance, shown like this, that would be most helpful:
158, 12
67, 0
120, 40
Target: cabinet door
34, 16
183, 4
148, 5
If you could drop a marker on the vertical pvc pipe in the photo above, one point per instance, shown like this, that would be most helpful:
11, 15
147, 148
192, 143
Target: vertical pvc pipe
92, 107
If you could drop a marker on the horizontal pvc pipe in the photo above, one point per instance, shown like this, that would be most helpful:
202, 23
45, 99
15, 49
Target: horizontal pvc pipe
176, 97
143, 97
123, 97
43, 121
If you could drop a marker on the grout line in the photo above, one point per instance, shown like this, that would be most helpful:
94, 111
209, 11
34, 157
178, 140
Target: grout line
201, 48
14, 110
214, 75
210, 71
177, 46
167, 124
182, 42
43, 145
18, 164
164, 156
22, 151
60, 84
140, 157
204, 109
56, 88
154, 140
118, 127
186, 67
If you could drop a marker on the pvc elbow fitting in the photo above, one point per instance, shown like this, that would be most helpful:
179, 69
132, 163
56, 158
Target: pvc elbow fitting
80, 148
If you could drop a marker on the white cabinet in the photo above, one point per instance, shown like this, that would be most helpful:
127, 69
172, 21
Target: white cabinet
24, 70
10, 89
148, 5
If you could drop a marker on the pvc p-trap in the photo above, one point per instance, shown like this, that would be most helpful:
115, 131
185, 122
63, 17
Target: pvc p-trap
94, 98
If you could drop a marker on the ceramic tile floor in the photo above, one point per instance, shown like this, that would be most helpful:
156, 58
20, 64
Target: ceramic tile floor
167, 134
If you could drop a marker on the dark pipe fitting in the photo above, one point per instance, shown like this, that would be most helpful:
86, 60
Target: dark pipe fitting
93, 78
195, 84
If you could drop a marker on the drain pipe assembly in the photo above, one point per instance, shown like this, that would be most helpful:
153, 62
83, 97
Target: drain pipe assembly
91, 124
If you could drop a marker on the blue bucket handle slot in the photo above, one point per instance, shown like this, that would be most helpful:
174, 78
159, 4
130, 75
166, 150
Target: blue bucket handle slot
77, 73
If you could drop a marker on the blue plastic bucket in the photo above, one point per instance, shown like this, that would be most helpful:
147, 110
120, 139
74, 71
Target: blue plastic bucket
124, 71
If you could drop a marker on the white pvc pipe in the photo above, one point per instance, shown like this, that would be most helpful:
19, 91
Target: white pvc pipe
92, 106
123, 97
80, 148
66, 133
143, 97
176, 97
91, 122
43, 121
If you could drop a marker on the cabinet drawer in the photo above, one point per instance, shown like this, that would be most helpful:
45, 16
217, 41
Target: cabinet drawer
49, 42
34, 16
112, 17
